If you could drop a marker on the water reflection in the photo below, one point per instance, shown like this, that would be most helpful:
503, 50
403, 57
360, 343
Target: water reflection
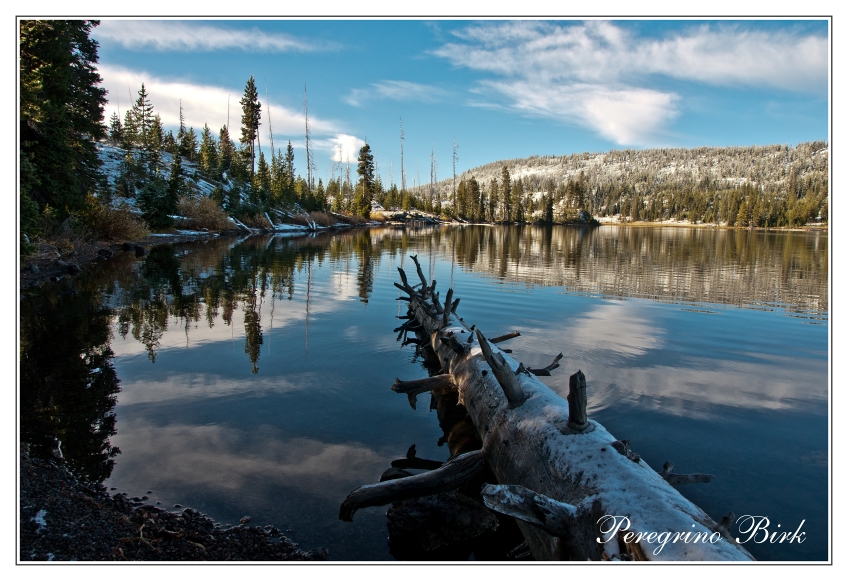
702, 265
68, 383
255, 373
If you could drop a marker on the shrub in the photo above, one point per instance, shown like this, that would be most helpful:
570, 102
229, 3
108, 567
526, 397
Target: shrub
113, 223
204, 213
255, 220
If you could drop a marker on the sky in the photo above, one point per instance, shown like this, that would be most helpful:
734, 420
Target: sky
499, 89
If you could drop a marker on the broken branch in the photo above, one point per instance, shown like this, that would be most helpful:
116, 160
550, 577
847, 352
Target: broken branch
506, 337
451, 475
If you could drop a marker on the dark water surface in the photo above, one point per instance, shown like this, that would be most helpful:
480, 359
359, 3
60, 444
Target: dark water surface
251, 377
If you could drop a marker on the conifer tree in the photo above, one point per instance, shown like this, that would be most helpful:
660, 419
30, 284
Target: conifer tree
549, 203
517, 196
115, 130
251, 114
208, 155
225, 150
506, 194
169, 144
188, 145
61, 112
365, 169
262, 180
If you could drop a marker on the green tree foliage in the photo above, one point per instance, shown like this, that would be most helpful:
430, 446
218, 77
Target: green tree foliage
250, 115
549, 203
115, 130
61, 113
188, 145
506, 195
517, 201
365, 188
226, 150
208, 154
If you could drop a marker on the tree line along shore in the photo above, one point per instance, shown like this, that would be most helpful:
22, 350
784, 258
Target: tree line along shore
129, 176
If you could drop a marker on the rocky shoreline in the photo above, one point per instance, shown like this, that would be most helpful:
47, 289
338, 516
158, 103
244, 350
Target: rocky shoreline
63, 519
49, 264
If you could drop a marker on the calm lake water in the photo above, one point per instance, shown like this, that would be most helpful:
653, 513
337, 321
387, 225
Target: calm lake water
252, 377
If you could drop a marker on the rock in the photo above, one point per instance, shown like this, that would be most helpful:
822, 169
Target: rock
139, 250
126, 247
34, 268
73, 253
74, 269
319, 554
105, 252
61, 263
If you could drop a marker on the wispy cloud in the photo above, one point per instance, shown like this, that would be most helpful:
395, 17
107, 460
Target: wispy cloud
172, 35
396, 91
595, 74
201, 104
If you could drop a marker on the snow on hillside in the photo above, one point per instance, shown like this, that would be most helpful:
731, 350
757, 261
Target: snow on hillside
769, 165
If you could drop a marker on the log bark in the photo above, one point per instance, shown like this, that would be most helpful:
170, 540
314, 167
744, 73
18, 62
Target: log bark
418, 386
527, 441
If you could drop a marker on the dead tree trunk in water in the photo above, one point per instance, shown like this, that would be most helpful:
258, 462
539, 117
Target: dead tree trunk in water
576, 491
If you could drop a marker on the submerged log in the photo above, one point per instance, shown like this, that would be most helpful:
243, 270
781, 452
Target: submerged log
533, 438
449, 476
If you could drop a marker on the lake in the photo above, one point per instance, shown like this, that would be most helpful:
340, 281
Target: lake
251, 377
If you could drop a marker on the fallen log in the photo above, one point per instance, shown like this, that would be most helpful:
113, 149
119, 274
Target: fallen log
449, 476
534, 438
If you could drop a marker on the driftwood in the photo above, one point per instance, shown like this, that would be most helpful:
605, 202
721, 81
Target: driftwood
562, 475
451, 475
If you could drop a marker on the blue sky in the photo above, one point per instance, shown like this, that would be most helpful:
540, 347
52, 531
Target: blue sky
501, 88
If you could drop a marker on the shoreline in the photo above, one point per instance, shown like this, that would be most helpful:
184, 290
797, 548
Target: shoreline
48, 264
63, 519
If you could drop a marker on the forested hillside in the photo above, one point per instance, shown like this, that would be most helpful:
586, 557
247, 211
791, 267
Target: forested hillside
774, 185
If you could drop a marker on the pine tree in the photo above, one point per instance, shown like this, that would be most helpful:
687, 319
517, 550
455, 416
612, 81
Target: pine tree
188, 145
115, 130
208, 155
492, 210
262, 180
506, 194
225, 151
251, 113
517, 196
156, 143
549, 203
169, 144
61, 112
365, 170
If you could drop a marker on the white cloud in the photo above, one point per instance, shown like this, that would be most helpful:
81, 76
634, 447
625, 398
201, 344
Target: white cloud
201, 104
397, 91
595, 73
343, 148
624, 115
173, 35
